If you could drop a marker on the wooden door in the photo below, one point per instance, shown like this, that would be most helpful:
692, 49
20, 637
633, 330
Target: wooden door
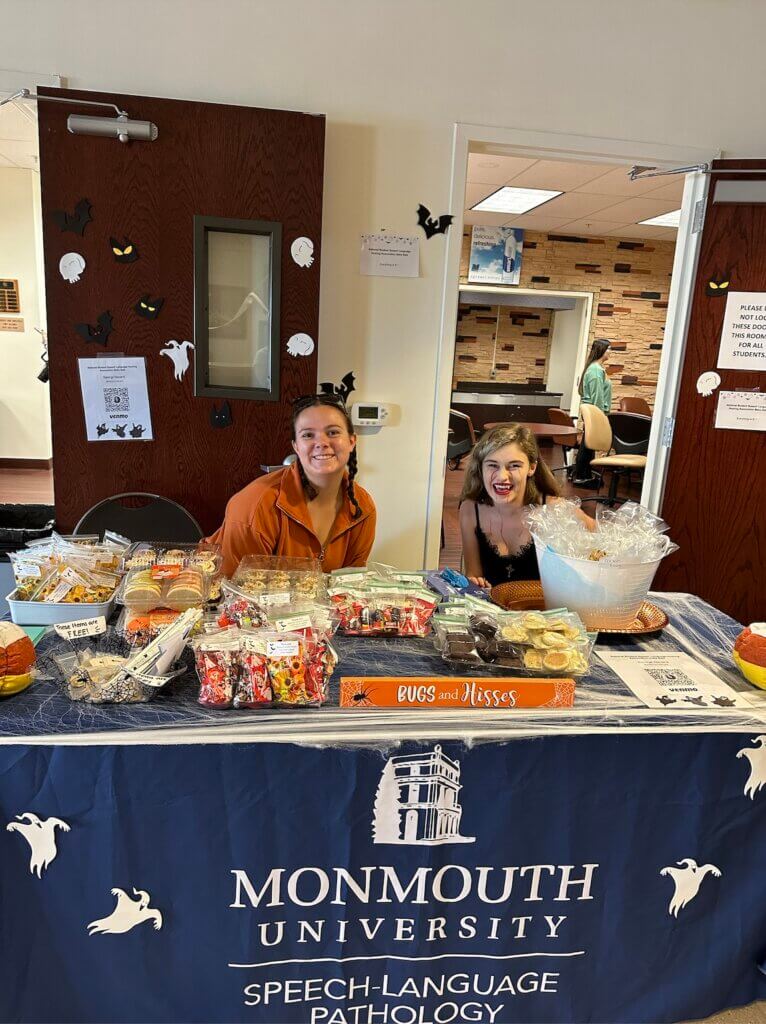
208, 160
715, 492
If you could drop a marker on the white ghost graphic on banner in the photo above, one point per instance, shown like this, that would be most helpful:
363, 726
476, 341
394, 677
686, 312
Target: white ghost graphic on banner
41, 836
302, 251
707, 383
178, 352
127, 914
687, 878
300, 345
71, 265
757, 758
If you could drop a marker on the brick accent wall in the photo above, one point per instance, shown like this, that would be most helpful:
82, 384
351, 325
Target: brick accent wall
629, 280
522, 343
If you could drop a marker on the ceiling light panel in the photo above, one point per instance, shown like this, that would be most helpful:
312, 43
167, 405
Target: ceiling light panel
514, 200
665, 220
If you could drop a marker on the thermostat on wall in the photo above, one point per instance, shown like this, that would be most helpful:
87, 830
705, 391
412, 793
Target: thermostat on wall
369, 414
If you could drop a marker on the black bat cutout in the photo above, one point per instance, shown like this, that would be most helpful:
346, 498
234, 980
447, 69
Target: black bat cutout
433, 225
123, 252
148, 308
101, 429
120, 429
344, 389
220, 418
665, 700
100, 333
723, 702
77, 221
718, 286
137, 431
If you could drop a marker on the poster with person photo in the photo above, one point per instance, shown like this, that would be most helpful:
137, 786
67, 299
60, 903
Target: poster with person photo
495, 255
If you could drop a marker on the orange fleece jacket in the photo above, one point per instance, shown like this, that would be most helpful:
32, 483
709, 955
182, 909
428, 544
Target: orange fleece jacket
270, 517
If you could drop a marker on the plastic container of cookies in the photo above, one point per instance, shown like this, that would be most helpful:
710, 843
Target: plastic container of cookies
279, 579
164, 586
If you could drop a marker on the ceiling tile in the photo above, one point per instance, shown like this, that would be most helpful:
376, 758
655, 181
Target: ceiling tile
579, 204
20, 154
491, 169
591, 226
617, 183
672, 189
16, 123
641, 231
3, 161
492, 219
536, 221
474, 193
557, 174
630, 211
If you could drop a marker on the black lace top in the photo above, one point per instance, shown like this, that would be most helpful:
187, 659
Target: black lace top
497, 568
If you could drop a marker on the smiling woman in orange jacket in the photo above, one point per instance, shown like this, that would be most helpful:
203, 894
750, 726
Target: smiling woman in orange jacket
313, 508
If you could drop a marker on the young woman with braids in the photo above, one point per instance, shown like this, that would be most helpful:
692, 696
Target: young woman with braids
313, 508
504, 475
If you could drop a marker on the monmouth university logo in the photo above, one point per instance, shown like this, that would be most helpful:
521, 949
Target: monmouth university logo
417, 801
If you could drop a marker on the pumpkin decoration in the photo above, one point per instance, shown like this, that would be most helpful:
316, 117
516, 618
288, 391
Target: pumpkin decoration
750, 653
17, 656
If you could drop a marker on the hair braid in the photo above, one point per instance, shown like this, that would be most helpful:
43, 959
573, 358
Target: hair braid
308, 488
353, 467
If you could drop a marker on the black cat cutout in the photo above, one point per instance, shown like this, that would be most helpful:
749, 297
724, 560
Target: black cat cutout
123, 252
221, 417
137, 431
344, 389
697, 701
101, 429
148, 308
77, 221
120, 429
433, 225
718, 289
99, 334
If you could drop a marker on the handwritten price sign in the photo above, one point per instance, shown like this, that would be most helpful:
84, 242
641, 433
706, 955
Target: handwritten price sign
81, 628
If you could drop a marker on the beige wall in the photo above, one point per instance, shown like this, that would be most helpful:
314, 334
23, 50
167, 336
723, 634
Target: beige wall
629, 281
393, 78
25, 430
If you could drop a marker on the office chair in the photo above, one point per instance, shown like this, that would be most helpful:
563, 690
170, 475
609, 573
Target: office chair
461, 438
626, 433
156, 519
556, 415
634, 403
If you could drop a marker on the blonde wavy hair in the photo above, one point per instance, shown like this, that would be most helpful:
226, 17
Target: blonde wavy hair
540, 485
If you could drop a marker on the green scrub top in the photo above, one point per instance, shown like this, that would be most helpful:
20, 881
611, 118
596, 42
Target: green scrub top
597, 388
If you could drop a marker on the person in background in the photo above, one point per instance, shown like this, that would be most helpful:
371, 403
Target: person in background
313, 508
504, 475
595, 389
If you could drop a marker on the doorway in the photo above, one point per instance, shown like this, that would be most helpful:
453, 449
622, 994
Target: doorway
584, 237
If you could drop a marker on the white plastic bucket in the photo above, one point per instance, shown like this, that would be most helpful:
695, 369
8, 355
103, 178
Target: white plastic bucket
604, 596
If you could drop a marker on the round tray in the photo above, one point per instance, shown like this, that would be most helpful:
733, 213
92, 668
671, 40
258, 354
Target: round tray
527, 595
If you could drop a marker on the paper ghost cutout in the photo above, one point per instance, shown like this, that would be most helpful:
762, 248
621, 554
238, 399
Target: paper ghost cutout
77, 221
71, 265
302, 251
221, 417
346, 386
148, 308
432, 225
99, 334
718, 289
123, 252
707, 383
178, 352
137, 430
300, 345
120, 429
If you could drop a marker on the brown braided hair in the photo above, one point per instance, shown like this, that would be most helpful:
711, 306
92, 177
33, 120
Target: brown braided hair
333, 402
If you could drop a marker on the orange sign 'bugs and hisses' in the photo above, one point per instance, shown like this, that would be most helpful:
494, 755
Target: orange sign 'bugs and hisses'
450, 692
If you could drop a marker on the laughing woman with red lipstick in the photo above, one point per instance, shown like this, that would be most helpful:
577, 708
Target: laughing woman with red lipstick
313, 508
505, 474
